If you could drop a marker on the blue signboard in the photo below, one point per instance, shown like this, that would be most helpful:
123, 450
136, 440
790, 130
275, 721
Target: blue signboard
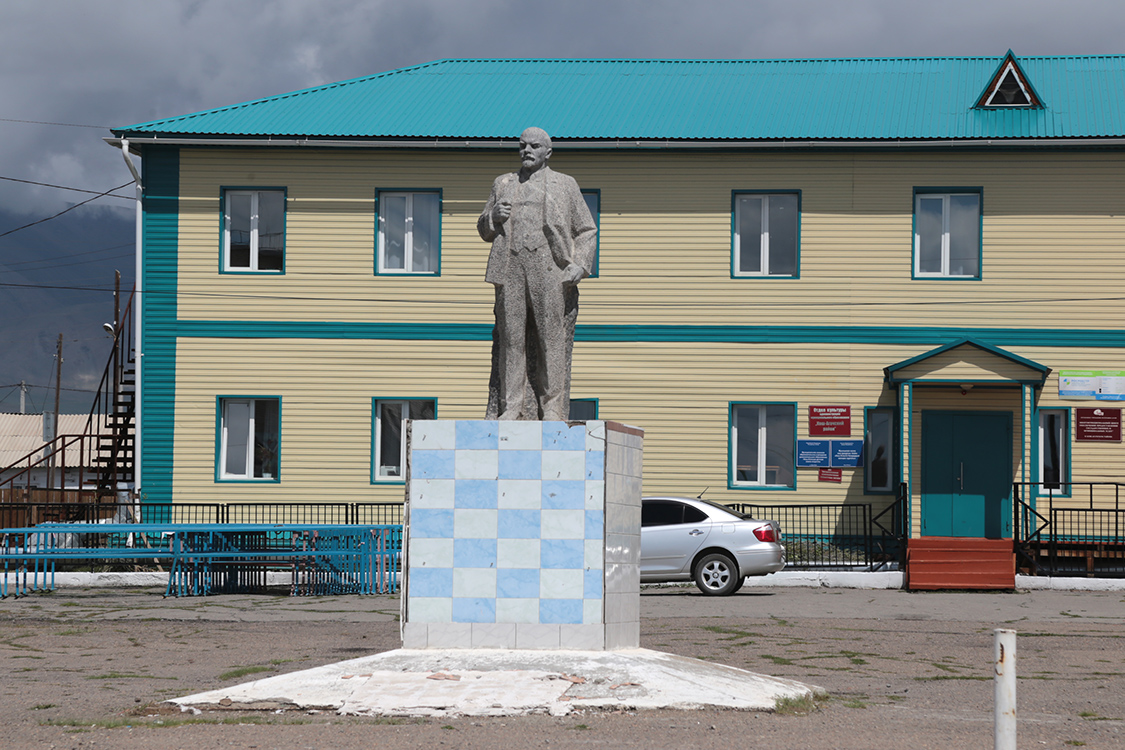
812, 453
847, 453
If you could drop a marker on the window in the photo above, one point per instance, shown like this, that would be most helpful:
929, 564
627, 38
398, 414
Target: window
766, 234
249, 440
1054, 445
879, 450
669, 513
389, 440
593, 200
947, 237
409, 232
763, 445
583, 409
254, 230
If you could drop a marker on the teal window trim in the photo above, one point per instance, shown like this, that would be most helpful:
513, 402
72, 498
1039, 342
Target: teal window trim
732, 448
953, 190
593, 401
379, 270
220, 401
375, 479
595, 211
893, 461
735, 238
1066, 488
223, 240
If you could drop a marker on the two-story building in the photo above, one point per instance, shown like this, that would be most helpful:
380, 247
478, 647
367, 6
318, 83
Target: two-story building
821, 282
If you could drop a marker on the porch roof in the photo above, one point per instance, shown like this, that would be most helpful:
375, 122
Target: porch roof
968, 361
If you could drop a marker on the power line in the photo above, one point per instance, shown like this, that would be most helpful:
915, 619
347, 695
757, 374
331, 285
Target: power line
64, 187
32, 385
52, 266
60, 124
65, 210
71, 255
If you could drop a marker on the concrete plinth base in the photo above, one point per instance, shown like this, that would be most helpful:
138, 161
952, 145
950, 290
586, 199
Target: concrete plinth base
507, 682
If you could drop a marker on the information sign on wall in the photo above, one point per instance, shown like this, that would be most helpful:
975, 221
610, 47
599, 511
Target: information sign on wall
847, 453
1100, 385
830, 421
812, 453
1098, 424
817, 454
830, 475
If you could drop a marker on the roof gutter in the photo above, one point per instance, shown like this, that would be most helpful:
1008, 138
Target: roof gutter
138, 318
616, 144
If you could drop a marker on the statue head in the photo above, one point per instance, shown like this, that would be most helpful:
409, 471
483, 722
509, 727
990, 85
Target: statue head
535, 149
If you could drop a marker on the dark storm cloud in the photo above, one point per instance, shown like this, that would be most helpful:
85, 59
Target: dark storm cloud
123, 62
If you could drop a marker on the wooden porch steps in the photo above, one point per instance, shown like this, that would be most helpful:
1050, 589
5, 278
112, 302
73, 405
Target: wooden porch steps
939, 562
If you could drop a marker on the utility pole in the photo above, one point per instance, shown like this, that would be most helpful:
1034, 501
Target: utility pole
23, 397
58, 386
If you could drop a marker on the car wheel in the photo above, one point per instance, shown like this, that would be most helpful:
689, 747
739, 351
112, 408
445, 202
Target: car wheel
717, 575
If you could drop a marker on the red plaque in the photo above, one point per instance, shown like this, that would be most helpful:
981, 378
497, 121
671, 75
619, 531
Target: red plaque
830, 421
830, 475
1099, 424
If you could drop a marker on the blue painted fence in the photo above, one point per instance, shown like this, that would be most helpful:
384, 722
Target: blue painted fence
213, 558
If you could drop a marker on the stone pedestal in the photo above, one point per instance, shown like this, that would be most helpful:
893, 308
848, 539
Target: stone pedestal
522, 535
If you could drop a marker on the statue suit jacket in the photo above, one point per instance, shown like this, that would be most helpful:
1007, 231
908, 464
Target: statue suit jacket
567, 224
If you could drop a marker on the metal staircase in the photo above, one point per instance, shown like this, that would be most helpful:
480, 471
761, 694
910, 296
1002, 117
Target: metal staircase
103, 453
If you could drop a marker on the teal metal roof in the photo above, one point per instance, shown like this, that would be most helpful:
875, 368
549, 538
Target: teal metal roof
710, 100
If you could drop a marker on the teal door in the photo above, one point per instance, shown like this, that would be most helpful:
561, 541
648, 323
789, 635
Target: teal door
967, 474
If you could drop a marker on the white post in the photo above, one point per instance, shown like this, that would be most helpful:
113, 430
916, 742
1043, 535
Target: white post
1004, 663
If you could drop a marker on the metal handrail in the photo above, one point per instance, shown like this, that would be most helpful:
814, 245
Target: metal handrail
897, 533
91, 436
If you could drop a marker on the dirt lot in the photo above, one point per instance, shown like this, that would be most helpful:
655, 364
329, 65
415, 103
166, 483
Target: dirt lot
89, 669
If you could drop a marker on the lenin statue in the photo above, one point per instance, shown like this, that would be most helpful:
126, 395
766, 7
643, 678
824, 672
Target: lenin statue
543, 243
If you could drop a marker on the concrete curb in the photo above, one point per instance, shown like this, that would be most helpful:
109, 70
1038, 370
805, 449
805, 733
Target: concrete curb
837, 579
834, 579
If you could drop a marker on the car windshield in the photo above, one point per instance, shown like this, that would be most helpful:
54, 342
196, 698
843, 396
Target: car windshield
725, 509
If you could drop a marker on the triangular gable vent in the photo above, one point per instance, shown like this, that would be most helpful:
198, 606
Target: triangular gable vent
1009, 87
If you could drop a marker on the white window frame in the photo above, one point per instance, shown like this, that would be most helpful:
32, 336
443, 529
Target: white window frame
377, 475
763, 239
255, 221
251, 428
1063, 458
763, 447
1009, 69
408, 240
944, 273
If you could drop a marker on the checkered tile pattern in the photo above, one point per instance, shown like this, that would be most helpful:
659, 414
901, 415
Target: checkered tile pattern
506, 522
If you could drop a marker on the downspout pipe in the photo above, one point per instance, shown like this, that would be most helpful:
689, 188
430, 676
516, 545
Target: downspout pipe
138, 318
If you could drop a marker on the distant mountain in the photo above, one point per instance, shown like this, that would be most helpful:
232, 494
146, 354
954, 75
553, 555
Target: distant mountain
45, 271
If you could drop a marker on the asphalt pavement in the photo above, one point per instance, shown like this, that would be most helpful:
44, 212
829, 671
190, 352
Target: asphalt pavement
93, 668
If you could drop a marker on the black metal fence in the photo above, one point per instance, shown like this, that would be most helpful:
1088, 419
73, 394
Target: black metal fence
1070, 528
835, 537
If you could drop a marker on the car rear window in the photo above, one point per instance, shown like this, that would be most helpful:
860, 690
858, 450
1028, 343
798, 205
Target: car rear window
668, 512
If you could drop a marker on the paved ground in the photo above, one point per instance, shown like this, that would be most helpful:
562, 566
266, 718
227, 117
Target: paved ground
88, 669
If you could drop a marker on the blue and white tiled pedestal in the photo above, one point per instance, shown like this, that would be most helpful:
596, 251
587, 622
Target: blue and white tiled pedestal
522, 535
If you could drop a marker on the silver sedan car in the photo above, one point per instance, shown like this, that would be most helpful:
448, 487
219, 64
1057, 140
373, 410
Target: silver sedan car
686, 539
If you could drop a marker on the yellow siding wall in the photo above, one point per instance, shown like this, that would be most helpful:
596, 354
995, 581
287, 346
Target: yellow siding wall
1052, 229
678, 393
969, 365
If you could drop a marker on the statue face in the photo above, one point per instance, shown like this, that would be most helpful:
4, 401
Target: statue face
535, 149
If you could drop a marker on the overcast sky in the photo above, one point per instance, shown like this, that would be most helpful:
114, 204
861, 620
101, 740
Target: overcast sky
122, 62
